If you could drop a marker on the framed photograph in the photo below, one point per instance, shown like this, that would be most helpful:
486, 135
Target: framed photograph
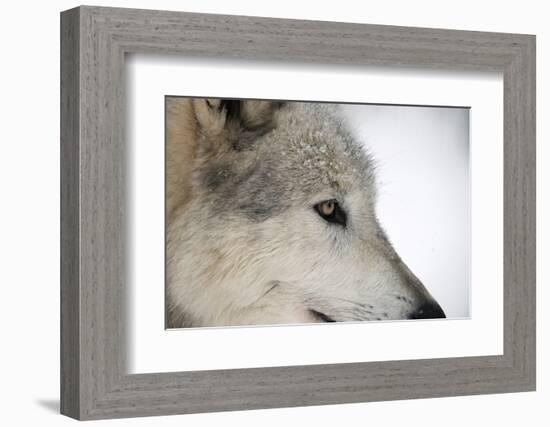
261, 213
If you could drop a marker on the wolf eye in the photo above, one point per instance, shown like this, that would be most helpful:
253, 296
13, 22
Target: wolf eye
331, 211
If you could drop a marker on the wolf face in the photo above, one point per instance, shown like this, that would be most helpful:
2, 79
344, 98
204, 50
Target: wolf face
278, 223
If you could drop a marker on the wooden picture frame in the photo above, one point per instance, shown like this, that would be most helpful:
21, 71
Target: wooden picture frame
94, 41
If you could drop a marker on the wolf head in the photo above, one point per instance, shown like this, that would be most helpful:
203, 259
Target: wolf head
280, 225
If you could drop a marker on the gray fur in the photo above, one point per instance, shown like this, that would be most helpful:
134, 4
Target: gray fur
304, 147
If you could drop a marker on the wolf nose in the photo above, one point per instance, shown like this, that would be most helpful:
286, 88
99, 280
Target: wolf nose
429, 310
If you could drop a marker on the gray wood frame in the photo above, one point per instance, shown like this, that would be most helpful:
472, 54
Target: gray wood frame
94, 41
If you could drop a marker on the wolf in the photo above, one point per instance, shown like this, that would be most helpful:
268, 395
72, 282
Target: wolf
271, 219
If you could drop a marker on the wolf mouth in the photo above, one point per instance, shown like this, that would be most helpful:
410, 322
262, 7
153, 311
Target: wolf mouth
321, 316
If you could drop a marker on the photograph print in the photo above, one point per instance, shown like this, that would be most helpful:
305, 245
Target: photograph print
287, 213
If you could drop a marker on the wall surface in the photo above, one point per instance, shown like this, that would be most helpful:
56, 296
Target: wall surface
29, 224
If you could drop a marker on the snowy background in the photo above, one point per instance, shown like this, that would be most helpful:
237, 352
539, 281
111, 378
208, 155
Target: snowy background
422, 157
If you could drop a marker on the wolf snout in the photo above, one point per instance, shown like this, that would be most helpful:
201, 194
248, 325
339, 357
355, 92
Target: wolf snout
428, 310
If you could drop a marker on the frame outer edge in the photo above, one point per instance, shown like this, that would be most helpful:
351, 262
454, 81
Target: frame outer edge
70, 396
529, 172
520, 215
532, 118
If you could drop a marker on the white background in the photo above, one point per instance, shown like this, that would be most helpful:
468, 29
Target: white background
406, 142
29, 218
423, 172
422, 157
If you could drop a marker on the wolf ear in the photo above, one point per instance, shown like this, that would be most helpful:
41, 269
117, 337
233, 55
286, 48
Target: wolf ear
216, 115
258, 114
210, 115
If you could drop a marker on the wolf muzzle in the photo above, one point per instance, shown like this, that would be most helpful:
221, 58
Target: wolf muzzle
428, 310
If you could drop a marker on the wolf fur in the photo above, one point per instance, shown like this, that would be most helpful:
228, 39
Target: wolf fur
244, 243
